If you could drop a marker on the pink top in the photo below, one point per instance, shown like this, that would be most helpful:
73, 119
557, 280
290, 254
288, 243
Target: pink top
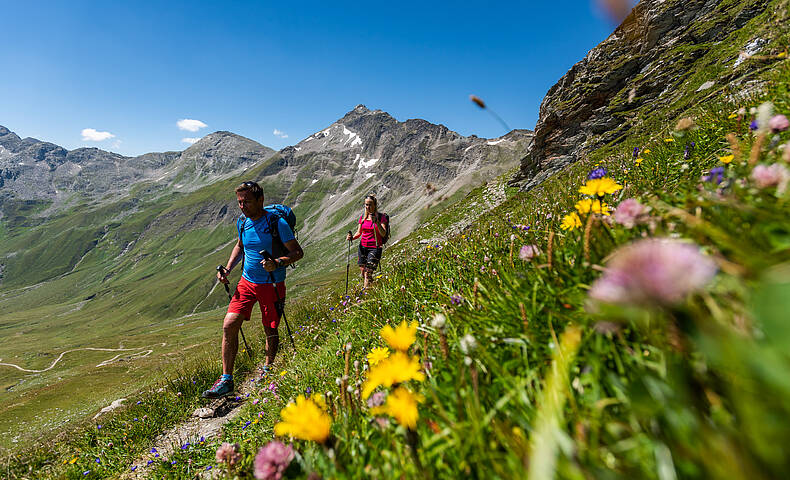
368, 239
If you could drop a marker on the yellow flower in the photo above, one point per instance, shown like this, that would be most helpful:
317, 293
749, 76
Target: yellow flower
669, 140
587, 205
73, 461
732, 115
639, 160
304, 420
600, 186
398, 368
378, 354
402, 406
727, 158
282, 374
782, 54
400, 337
571, 221
647, 150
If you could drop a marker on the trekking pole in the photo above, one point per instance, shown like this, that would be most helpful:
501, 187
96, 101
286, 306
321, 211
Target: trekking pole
348, 261
221, 270
267, 256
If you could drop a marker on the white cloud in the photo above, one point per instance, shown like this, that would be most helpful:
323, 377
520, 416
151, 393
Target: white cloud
280, 133
189, 140
92, 135
190, 125
116, 144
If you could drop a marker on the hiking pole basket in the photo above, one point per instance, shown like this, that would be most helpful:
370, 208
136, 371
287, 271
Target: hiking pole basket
221, 269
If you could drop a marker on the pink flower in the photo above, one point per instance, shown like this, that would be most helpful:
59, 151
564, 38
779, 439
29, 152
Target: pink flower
528, 252
778, 123
775, 175
228, 453
272, 460
653, 272
629, 213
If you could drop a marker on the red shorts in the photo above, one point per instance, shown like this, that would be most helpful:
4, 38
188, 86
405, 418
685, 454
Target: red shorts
247, 293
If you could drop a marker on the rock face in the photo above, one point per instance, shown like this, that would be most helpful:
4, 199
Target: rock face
658, 59
408, 165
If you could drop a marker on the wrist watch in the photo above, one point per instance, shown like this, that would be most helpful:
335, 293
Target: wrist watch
278, 262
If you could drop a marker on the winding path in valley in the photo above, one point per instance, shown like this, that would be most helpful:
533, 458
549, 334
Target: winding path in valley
141, 352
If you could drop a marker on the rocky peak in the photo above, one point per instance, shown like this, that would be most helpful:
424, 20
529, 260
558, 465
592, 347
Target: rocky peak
8, 139
658, 58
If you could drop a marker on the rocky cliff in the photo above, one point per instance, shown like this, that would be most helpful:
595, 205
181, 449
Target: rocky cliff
664, 58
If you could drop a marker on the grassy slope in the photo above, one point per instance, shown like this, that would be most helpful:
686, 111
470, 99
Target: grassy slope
630, 380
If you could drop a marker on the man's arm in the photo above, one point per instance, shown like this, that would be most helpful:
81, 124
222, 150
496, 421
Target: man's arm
236, 255
295, 253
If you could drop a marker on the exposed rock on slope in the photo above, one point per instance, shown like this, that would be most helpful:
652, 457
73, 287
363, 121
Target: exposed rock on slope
665, 57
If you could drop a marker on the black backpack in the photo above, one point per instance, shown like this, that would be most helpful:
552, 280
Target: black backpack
274, 213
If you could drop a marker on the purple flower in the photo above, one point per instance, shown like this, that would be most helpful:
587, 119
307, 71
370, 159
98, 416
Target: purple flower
308, 391
377, 399
716, 175
272, 460
753, 125
597, 173
228, 453
134, 468
653, 272
636, 152
775, 175
185, 446
687, 151
528, 252
629, 213
86, 472
456, 299
778, 123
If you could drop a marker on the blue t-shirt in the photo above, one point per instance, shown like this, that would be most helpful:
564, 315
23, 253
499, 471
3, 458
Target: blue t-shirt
256, 236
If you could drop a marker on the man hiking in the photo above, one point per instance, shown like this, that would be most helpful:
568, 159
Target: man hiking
255, 235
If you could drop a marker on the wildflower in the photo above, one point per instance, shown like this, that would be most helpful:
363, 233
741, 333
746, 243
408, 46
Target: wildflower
764, 115
402, 406
304, 420
639, 160
528, 252
716, 175
456, 299
753, 125
775, 175
778, 123
272, 460
647, 150
398, 368
587, 205
731, 116
600, 186
629, 212
669, 140
439, 321
636, 152
377, 399
686, 123
571, 221
687, 150
727, 159
400, 337
378, 354
467, 343
228, 453
653, 272
596, 174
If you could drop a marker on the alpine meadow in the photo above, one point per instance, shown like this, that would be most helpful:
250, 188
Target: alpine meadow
605, 296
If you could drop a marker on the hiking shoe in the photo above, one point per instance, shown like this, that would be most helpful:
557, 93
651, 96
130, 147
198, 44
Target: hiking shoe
221, 387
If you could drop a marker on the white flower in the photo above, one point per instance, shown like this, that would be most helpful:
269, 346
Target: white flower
467, 343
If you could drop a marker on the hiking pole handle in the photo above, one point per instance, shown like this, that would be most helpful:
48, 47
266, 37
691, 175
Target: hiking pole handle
222, 271
267, 256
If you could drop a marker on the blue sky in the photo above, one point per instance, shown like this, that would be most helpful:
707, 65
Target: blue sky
134, 69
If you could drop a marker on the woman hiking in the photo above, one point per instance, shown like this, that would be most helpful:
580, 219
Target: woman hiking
372, 232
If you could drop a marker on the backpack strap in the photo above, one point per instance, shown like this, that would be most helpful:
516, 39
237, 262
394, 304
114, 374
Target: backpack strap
240, 224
